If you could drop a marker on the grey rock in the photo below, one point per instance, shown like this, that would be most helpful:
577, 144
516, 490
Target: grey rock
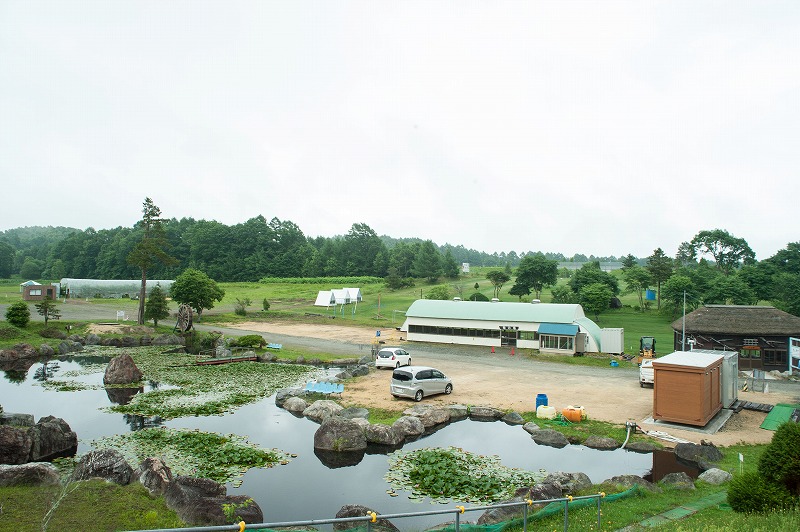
282, 395
31, 474
458, 412
344, 375
545, 491
550, 437
199, 502
642, 447
715, 476
678, 480
354, 412
295, 405
345, 362
601, 443
628, 481
569, 482
18, 420
430, 416
314, 362
512, 418
485, 413
360, 371
530, 427
356, 510
144, 340
46, 350
51, 437
381, 434
155, 475
340, 435
122, 370
693, 453
167, 339
17, 352
321, 410
92, 339
366, 360
503, 513
267, 357
15, 445
130, 341
77, 338
409, 426
108, 464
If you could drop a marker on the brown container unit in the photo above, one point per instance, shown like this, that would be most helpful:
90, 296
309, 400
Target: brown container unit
687, 387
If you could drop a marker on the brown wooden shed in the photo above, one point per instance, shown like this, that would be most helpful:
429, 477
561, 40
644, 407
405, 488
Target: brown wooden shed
686, 387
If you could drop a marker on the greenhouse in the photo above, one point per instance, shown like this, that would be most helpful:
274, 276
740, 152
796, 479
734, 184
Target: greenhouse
111, 289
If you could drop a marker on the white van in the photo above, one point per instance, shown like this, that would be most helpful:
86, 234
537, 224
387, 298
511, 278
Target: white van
646, 373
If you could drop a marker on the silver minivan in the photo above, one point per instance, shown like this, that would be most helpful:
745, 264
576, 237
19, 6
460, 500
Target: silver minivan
417, 382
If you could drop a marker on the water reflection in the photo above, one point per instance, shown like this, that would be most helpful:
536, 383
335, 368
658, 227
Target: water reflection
122, 396
46, 371
142, 422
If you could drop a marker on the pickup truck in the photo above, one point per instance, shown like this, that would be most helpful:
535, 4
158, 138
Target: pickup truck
646, 374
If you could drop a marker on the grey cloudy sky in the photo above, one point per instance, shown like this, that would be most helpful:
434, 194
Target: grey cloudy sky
581, 127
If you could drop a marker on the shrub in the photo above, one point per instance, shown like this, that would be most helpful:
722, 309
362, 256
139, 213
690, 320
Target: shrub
9, 333
249, 340
240, 307
52, 332
18, 314
265, 304
477, 296
780, 462
752, 493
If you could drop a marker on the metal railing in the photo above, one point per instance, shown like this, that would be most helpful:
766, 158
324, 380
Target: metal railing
373, 518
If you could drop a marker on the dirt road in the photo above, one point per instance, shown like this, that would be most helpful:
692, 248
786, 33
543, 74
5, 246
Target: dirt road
512, 382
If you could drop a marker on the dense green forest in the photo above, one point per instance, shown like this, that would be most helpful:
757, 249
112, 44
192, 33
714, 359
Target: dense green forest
247, 251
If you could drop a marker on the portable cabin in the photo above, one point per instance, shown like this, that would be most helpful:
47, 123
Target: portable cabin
687, 387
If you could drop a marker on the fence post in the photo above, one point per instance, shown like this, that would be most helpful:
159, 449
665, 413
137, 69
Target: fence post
599, 496
566, 515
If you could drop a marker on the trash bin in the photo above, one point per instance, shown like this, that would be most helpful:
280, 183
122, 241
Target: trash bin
541, 400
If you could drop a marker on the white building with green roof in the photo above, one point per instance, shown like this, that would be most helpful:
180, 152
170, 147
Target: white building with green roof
548, 327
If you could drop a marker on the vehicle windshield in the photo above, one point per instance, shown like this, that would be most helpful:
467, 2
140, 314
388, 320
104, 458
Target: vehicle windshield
385, 354
401, 375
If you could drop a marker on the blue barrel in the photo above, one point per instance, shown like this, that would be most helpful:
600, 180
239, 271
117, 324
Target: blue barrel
650, 295
541, 400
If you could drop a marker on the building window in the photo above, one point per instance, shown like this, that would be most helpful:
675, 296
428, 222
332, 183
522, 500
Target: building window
36, 292
547, 341
750, 341
528, 335
776, 357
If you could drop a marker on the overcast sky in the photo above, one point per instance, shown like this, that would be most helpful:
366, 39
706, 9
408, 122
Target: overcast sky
601, 128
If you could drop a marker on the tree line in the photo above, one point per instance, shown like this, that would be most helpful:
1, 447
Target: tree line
248, 251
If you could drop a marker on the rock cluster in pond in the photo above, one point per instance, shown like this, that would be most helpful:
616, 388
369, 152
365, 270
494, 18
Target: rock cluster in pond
122, 370
22, 441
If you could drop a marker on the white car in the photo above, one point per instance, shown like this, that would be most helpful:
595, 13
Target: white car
392, 357
417, 382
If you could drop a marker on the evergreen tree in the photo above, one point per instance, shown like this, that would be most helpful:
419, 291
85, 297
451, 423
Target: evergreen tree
47, 309
157, 306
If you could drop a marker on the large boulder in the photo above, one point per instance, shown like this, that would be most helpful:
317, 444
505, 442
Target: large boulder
92, 339
715, 476
601, 443
108, 464
700, 455
168, 339
46, 350
512, 418
282, 395
485, 413
569, 482
360, 371
203, 502
356, 510
354, 412
458, 412
549, 437
381, 434
122, 370
409, 426
155, 475
295, 405
340, 434
642, 447
17, 352
51, 437
430, 416
531, 427
321, 410
18, 420
628, 481
15, 445
678, 480
32, 474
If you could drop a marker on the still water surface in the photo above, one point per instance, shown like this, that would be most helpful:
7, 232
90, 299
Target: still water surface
309, 487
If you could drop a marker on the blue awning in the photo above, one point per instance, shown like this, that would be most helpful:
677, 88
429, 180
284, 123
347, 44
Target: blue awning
558, 329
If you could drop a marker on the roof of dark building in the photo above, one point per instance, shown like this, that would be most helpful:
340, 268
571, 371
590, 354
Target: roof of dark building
740, 319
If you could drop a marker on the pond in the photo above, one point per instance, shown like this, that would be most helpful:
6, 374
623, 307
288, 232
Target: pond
309, 486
